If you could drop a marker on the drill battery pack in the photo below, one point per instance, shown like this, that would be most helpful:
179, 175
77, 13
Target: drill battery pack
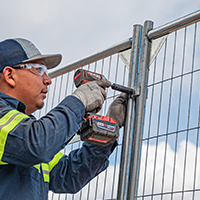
98, 129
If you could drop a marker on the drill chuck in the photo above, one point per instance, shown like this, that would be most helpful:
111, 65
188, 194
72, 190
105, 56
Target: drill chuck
122, 88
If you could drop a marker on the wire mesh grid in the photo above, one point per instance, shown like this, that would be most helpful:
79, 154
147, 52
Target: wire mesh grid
105, 185
170, 144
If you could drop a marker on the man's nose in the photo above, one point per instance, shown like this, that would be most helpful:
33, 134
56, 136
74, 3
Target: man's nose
46, 79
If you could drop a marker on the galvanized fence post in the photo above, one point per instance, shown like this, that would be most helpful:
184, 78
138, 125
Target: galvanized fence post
139, 112
128, 130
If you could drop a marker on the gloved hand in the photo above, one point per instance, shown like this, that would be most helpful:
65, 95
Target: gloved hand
92, 94
117, 109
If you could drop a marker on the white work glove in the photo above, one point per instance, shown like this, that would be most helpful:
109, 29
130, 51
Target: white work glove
117, 109
92, 94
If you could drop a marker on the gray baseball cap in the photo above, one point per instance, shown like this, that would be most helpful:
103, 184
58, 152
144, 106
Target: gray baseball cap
19, 50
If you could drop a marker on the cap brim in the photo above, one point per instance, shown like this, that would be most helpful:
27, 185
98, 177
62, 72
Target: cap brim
50, 61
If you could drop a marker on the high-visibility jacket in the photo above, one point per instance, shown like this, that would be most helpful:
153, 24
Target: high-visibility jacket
30, 160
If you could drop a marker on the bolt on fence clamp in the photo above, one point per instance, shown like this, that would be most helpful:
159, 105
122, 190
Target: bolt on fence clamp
136, 92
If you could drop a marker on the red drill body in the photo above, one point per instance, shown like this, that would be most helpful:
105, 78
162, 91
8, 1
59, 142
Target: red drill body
97, 129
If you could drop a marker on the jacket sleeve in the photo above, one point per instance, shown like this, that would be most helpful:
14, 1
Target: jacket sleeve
74, 171
25, 141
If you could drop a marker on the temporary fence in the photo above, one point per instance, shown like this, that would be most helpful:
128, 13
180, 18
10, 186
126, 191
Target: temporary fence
157, 156
170, 157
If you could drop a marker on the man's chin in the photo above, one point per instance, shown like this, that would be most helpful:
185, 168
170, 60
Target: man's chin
40, 105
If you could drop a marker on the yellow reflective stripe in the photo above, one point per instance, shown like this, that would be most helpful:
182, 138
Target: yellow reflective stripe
7, 116
55, 160
3, 163
46, 168
45, 171
7, 123
37, 167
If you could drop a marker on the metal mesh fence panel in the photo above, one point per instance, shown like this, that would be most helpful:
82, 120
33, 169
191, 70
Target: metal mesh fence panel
170, 144
169, 158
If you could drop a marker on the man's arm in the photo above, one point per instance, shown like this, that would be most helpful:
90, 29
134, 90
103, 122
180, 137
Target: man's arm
74, 171
32, 141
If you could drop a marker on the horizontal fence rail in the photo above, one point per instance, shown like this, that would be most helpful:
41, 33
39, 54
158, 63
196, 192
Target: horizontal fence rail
174, 25
92, 58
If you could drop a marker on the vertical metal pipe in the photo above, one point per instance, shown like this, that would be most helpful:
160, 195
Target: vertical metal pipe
128, 129
139, 112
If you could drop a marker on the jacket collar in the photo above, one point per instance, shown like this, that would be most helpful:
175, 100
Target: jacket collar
14, 103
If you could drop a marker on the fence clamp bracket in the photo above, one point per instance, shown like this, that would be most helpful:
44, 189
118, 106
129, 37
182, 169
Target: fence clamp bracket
136, 90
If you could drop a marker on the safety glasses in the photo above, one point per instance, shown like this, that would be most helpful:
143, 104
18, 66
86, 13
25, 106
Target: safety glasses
37, 69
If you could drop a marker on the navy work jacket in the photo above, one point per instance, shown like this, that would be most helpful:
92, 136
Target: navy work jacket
31, 163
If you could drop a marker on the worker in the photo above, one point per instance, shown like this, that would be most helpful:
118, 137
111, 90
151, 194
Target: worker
31, 163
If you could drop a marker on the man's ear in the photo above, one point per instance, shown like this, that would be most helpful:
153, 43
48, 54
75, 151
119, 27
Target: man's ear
8, 74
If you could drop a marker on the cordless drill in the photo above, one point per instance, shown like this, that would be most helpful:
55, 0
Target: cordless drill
98, 129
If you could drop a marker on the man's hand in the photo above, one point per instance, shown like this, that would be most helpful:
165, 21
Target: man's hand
117, 109
92, 94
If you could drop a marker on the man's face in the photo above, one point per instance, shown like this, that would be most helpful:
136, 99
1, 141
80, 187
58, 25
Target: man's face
32, 88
